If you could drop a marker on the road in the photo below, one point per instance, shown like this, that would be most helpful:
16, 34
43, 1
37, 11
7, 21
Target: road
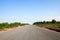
30, 33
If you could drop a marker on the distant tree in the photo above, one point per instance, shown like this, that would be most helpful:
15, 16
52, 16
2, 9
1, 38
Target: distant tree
43, 21
53, 21
37, 23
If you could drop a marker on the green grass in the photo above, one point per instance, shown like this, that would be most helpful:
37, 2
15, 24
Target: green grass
50, 25
55, 25
11, 25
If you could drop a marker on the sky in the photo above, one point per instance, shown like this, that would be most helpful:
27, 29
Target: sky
29, 11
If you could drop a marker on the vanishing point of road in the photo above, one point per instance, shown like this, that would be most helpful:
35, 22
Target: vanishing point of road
30, 33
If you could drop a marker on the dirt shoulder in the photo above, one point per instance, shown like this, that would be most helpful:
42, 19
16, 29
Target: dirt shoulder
55, 29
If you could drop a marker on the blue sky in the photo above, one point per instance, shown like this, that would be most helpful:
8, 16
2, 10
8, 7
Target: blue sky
29, 11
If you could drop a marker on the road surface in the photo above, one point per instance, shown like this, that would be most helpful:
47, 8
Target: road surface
30, 33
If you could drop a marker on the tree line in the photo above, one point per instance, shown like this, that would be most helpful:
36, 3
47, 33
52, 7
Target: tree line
48, 24
42, 22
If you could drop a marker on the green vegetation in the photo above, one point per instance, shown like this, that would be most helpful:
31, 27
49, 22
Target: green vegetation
48, 24
11, 25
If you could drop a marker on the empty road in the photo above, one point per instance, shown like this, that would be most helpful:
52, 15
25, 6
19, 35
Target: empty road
30, 33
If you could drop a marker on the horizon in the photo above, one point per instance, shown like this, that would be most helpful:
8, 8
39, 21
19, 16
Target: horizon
29, 11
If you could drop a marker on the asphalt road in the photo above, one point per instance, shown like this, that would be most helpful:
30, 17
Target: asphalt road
30, 33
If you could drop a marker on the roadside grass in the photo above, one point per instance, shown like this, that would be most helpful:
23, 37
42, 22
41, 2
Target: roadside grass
4, 26
52, 25
55, 25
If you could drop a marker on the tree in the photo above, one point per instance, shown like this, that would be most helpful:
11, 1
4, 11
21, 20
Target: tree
53, 21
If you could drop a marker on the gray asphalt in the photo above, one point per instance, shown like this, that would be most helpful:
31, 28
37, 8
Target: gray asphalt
30, 33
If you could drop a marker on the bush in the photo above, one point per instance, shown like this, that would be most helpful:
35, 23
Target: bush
11, 25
